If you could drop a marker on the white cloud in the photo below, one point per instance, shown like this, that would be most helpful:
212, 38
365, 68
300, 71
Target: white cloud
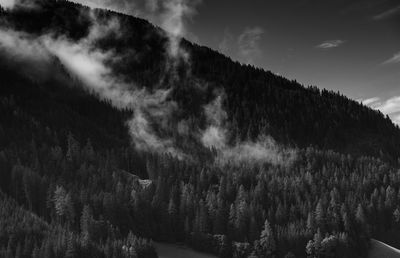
173, 20
90, 65
152, 109
21, 45
249, 44
370, 101
10, 4
227, 42
264, 150
7, 3
171, 15
390, 107
396, 119
331, 44
395, 59
388, 13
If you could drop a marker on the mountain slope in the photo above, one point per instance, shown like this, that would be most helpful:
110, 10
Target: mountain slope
91, 101
257, 102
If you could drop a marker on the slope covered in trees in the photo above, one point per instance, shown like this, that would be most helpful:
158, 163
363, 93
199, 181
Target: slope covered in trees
70, 172
257, 102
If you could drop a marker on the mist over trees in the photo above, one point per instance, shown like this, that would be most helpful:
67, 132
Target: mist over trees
74, 183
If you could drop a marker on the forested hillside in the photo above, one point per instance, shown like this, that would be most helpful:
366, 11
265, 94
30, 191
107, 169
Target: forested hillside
257, 101
77, 179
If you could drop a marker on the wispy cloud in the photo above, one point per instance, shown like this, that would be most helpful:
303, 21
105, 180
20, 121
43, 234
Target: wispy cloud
387, 13
7, 3
227, 42
396, 119
172, 15
264, 150
245, 46
390, 107
395, 59
249, 44
92, 67
11, 4
370, 101
331, 44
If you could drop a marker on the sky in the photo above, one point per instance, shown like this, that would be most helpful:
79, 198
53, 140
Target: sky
347, 46
350, 46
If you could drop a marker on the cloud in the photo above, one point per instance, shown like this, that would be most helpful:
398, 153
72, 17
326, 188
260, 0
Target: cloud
153, 107
154, 118
370, 101
249, 44
11, 4
395, 59
387, 14
22, 53
21, 45
331, 44
171, 15
227, 42
396, 119
173, 21
215, 134
91, 66
244, 47
7, 3
263, 150
390, 107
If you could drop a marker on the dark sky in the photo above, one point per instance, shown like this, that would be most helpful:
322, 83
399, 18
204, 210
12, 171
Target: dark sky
362, 36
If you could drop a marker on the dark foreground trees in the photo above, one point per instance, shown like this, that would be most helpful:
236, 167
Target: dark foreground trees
78, 200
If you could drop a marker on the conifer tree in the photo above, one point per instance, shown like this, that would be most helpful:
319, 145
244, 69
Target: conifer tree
267, 240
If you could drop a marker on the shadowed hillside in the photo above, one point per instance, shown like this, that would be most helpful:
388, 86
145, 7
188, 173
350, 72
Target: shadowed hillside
257, 102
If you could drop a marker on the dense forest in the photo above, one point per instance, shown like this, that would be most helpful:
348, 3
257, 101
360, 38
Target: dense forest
74, 184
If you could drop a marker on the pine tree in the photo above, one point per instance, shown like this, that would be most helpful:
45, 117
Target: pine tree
73, 148
232, 219
310, 222
86, 220
310, 250
317, 243
320, 215
267, 240
360, 216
